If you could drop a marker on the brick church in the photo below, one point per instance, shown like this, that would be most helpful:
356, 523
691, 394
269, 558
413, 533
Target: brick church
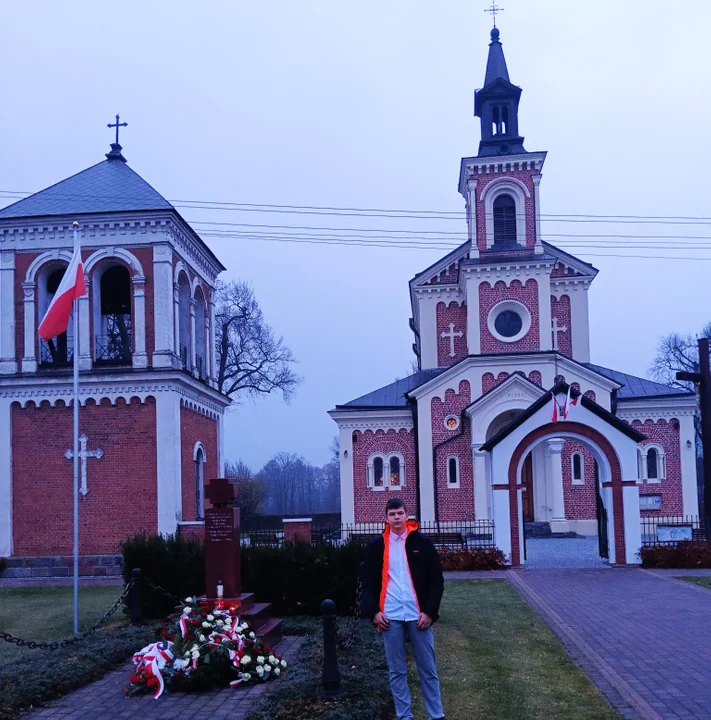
500, 329
150, 413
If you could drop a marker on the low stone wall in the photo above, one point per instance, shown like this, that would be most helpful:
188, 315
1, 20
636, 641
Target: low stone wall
62, 566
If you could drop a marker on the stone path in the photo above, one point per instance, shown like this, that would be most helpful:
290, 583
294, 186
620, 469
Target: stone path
106, 700
548, 553
641, 636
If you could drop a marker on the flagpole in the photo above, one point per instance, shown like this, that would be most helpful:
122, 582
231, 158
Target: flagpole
75, 455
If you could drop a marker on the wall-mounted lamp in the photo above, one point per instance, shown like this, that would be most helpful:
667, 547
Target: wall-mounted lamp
688, 443
345, 453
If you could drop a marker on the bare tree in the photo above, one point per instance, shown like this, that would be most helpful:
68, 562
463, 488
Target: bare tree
250, 491
677, 352
251, 361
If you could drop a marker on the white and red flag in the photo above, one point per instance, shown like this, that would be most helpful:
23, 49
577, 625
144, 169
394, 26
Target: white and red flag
570, 403
72, 286
556, 410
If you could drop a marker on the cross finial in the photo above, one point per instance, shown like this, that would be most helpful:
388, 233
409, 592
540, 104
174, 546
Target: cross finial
118, 125
494, 10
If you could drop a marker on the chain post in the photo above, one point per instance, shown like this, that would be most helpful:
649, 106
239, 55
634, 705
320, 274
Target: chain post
331, 676
135, 607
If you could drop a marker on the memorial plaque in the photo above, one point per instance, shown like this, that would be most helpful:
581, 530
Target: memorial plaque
222, 536
674, 533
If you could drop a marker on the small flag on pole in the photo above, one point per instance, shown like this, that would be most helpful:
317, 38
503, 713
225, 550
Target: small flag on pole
570, 402
72, 286
555, 415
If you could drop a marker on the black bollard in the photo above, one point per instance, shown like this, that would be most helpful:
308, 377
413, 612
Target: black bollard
135, 608
331, 677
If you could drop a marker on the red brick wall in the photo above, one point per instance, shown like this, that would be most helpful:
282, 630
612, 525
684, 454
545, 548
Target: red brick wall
122, 497
447, 277
665, 434
535, 377
370, 503
195, 428
457, 314
525, 294
454, 503
561, 309
530, 209
579, 499
489, 382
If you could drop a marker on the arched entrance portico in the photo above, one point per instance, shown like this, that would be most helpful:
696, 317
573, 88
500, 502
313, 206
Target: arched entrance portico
612, 444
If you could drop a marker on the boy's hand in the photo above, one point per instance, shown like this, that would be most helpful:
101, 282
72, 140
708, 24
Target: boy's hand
381, 621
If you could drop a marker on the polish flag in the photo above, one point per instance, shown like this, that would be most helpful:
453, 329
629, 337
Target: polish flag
56, 319
570, 402
555, 416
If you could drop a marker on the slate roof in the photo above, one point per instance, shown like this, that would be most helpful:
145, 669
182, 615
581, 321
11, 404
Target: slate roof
634, 388
496, 63
109, 186
393, 395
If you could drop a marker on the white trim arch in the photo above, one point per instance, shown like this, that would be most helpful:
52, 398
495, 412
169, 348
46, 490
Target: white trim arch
199, 446
661, 464
386, 459
519, 192
43, 259
126, 256
581, 479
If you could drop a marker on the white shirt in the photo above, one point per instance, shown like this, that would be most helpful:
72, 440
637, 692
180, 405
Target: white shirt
400, 599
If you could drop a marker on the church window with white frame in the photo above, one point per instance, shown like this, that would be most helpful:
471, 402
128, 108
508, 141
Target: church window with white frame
199, 459
452, 471
577, 466
652, 463
379, 464
504, 221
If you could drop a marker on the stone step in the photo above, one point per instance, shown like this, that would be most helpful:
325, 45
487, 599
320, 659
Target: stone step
257, 613
246, 601
270, 631
537, 529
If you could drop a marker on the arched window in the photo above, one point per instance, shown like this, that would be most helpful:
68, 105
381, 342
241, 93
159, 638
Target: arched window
199, 483
200, 343
504, 221
112, 326
58, 350
652, 463
183, 323
395, 471
578, 468
500, 119
376, 472
453, 472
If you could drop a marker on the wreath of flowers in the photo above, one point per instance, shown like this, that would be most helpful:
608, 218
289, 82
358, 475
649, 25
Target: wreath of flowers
200, 649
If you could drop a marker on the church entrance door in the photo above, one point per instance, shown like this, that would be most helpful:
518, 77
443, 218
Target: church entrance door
527, 489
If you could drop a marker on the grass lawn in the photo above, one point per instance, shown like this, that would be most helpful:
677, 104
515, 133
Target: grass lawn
497, 659
46, 614
703, 580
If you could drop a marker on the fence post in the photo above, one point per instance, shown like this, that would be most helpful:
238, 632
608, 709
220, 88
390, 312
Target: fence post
331, 676
135, 608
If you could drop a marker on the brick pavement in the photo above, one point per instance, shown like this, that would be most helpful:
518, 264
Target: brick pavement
106, 700
642, 637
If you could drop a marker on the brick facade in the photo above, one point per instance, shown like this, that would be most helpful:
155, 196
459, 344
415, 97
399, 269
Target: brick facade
453, 503
527, 295
122, 497
196, 428
489, 382
452, 314
580, 503
370, 503
560, 309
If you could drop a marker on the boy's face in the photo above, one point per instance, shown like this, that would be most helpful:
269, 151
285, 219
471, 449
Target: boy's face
396, 518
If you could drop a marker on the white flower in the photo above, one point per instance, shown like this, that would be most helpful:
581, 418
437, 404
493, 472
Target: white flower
260, 671
179, 664
277, 672
252, 635
260, 660
283, 663
187, 654
189, 599
246, 660
186, 611
246, 677
219, 623
206, 624
243, 626
195, 654
272, 660
210, 617
202, 638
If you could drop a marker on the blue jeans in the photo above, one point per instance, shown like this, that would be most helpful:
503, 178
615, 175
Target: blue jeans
422, 644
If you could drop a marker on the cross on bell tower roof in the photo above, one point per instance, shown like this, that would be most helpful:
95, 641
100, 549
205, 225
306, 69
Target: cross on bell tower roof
115, 153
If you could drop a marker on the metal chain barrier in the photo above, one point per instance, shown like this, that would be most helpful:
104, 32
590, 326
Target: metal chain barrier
33, 645
159, 589
348, 642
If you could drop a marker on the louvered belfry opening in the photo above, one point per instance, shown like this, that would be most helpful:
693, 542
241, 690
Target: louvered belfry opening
504, 220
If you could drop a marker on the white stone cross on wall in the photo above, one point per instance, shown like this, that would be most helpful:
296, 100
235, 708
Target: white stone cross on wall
83, 455
451, 335
557, 329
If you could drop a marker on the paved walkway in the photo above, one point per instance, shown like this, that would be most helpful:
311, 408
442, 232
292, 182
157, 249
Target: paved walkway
642, 637
549, 553
106, 699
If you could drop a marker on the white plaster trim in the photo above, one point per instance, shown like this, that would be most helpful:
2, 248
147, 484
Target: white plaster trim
294, 520
581, 479
110, 253
6, 538
43, 259
199, 446
168, 459
519, 193
661, 463
374, 420
514, 306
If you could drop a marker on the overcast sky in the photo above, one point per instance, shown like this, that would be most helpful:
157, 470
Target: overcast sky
369, 104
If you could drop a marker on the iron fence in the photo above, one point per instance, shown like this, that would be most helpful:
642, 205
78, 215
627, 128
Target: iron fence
115, 349
57, 351
671, 530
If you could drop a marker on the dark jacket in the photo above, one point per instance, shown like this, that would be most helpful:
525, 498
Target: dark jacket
425, 570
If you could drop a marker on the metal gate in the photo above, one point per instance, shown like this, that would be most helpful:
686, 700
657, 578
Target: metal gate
601, 518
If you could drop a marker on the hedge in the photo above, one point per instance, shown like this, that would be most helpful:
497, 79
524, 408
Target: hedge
685, 554
472, 559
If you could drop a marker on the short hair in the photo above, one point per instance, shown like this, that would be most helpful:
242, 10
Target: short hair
395, 504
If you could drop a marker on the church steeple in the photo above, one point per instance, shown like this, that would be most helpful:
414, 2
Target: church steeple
497, 106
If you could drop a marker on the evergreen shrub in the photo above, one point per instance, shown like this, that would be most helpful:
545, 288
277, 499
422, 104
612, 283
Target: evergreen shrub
472, 559
685, 554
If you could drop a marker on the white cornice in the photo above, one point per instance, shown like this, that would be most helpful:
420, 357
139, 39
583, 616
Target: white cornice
507, 271
657, 408
359, 419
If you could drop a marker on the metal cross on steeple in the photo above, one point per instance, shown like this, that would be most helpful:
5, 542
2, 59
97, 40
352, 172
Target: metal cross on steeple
494, 10
117, 124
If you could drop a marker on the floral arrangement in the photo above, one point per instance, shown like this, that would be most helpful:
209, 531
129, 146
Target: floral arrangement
200, 649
